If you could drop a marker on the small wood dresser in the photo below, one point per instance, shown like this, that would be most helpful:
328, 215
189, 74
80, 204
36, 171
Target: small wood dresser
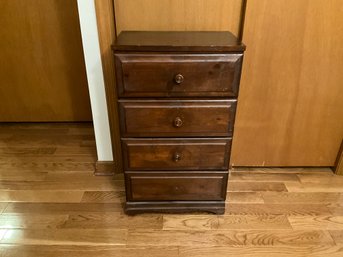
177, 97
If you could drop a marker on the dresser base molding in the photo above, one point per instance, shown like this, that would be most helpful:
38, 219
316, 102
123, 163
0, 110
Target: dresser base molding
216, 207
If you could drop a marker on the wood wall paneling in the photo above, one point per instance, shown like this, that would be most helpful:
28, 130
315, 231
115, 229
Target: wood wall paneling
42, 71
290, 108
182, 15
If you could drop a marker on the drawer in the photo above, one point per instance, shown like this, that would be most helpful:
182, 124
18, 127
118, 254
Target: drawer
166, 118
161, 186
176, 154
149, 75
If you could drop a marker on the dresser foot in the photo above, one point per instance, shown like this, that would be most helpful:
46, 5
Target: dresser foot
216, 207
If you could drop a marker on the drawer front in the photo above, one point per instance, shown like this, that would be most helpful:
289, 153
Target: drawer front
176, 154
149, 75
176, 186
177, 118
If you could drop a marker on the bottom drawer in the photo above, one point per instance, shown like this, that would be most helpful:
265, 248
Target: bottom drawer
176, 186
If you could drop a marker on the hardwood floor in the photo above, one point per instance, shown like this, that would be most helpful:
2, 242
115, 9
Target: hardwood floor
51, 205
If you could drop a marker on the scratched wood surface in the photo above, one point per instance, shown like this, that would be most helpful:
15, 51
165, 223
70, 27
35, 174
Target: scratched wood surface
52, 205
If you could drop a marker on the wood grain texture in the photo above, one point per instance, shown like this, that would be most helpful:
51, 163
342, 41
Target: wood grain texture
181, 118
86, 251
40, 196
178, 15
337, 235
154, 75
113, 221
339, 161
227, 222
42, 70
291, 108
70, 212
32, 221
319, 250
176, 154
65, 237
228, 237
322, 222
107, 35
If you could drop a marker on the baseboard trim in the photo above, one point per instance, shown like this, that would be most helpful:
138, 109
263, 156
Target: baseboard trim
105, 168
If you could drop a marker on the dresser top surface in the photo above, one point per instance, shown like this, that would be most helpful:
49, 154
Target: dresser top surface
178, 41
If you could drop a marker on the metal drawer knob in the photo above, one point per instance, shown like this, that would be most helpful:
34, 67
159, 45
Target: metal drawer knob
178, 122
179, 79
177, 157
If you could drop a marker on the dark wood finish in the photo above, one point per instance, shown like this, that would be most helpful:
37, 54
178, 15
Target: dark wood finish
176, 154
216, 207
176, 186
149, 75
177, 103
177, 117
178, 41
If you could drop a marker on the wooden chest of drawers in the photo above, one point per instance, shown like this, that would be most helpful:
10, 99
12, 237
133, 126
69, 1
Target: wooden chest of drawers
177, 102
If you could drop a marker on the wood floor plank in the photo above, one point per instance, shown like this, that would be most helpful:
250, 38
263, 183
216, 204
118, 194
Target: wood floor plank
93, 184
227, 238
333, 186
49, 159
269, 211
17, 175
103, 197
302, 197
3, 207
336, 209
282, 170
262, 177
86, 251
27, 151
256, 186
65, 237
32, 221
33, 165
51, 140
322, 222
227, 222
244, 197
320, 178
85, 150
278, 209
41, 196
2, 233
113, 220
320, 250
337, 236
62, 208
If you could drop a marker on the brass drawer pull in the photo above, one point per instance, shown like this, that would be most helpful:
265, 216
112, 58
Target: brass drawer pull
178, 122
179, 79
177, 157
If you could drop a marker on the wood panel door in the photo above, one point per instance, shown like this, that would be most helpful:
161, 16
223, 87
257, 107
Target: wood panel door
290, 108
178, 15
42, 71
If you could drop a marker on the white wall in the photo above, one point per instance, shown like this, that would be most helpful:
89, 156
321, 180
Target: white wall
95, 78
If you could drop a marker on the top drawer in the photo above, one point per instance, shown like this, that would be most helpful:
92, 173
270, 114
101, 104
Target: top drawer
162, 75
